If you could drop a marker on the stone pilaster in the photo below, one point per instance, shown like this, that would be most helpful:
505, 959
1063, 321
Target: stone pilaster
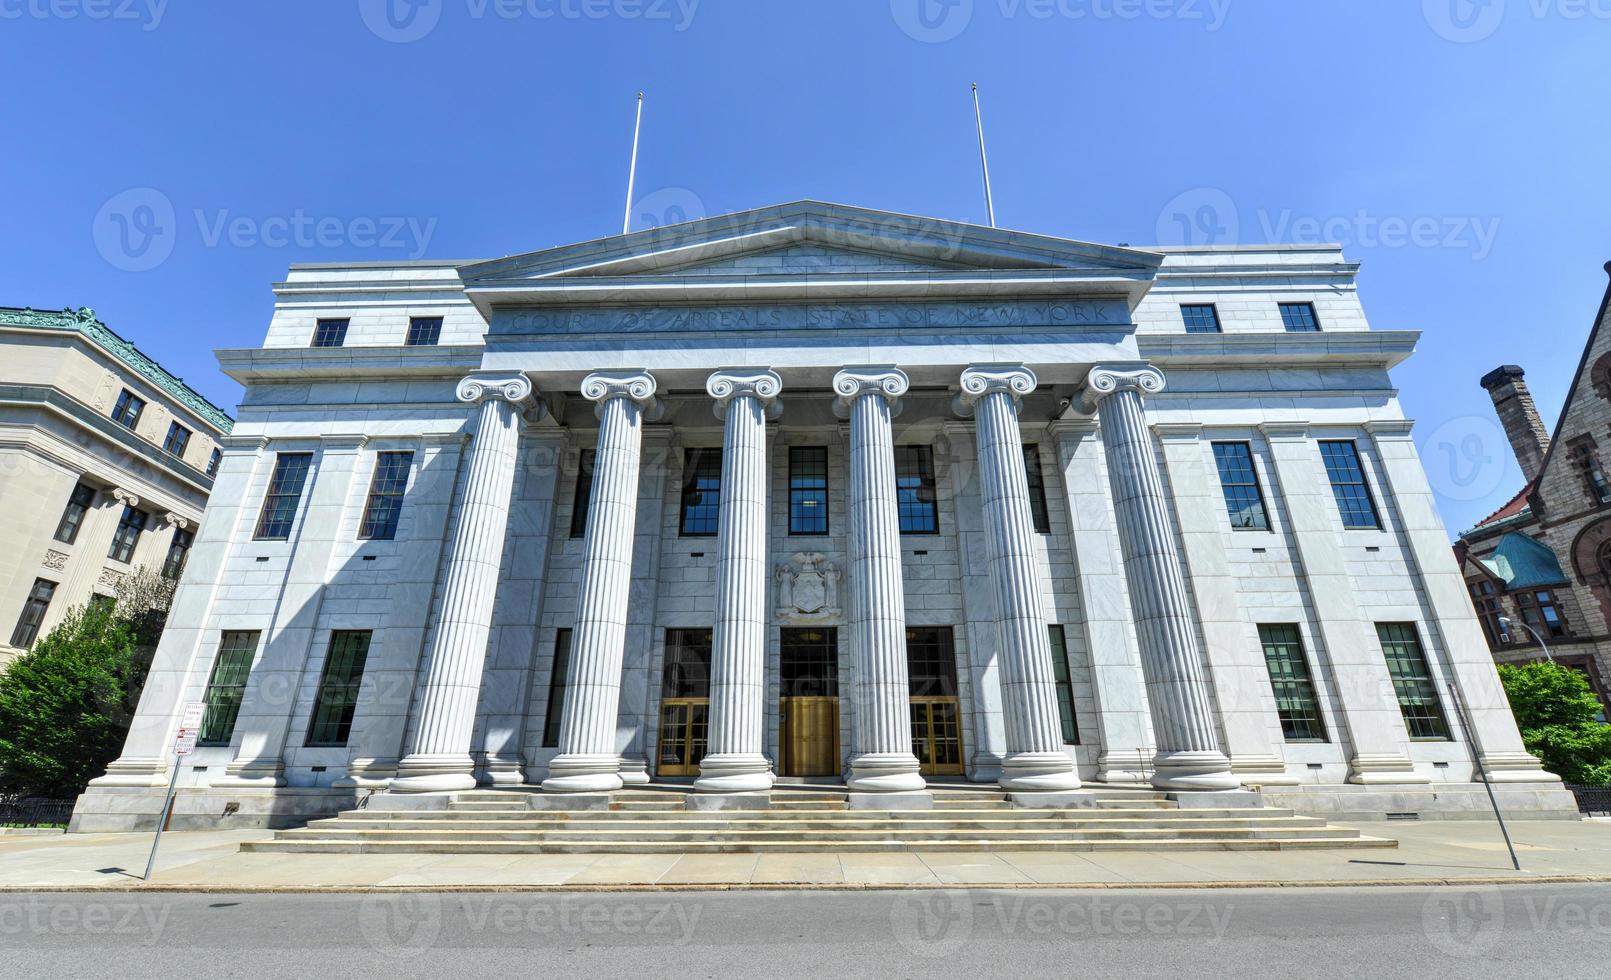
733, 763
440, 758
1189, 755
588, 759
882, 761
1035, 760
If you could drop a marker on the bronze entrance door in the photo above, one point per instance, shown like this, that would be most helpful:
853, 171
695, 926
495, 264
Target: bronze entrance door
684, 703
931, 667
808, 710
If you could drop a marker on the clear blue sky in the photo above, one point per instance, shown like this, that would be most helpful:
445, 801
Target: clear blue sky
505, 127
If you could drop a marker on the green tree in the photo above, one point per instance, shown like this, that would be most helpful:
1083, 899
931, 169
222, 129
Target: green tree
66, 705
1558, 716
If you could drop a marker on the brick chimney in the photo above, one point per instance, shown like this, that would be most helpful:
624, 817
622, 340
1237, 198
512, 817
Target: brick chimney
1519, 416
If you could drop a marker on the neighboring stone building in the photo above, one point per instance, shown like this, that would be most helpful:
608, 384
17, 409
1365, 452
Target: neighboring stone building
1544, 559
106, 461
816, 492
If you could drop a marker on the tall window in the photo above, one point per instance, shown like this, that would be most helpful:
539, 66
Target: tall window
127, 537
808, 490
556, 689
338, 688
915, 498
1354, 500
931, 662
1295, 700
1065, 686
1037, 489
178, 553
385, 502
330, 333
1200, 318
1585, 456
1299, 318
687, 668
177, 439
78, 505
284, 493
33, 613
424, 331
1244, 500
1412, 681
213, 461
701, 492
1486, 600
226, 687
1540, 610
808, 662
584, 493
128, 408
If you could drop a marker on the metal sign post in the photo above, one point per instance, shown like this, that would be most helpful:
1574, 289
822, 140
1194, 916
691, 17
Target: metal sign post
1482, 773
184, 743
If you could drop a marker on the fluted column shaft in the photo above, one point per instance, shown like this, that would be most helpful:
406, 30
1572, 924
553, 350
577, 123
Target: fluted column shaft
440, 760
883, 761
1189, 755
588, 760
1035, 757
733, 761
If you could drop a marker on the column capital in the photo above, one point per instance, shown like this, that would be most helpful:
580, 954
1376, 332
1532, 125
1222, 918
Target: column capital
1107, 379
638, 386
980, 380
516, 389
126, 498
174, 520
761, 384
888, 381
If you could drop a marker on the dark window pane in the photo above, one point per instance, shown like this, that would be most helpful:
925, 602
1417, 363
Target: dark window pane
701, 492
914, 490
1412, 681
330, 333
808, 490
127, 410
424, 331
809, 662
1295, 700
178, 553
127, 536
227, 687
78, 505
213, 461
1065, 686
284, 493
1200, 318
1037, 489
687, 670
931, 662
338, 688
178, 438
584, 493
386, 491
1244, 500
33, 613
1354, 500
556, 689
1299, 317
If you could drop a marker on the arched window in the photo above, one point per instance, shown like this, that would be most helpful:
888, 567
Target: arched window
1602, 562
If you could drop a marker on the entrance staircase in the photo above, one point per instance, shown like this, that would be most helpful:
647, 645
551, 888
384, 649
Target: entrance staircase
651, 820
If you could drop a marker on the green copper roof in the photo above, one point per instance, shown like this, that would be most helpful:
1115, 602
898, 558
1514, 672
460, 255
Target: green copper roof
83, 321
1524, 563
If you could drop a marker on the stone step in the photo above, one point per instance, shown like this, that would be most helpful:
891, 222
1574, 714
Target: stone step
1050, 835
630, 846
833, 816
811, 826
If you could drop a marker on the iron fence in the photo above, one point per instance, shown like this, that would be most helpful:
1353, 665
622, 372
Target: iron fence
1594, 801
33, 812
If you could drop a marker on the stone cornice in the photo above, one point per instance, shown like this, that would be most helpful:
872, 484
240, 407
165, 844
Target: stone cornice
294, 364
1285, 431
1179, 431
1389, 428
55, 401
1385, 348
886, 381
980, 380
761, 384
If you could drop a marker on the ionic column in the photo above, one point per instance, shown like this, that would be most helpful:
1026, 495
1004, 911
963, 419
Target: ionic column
1189, 755
588, 760
439, 760
883, 761
745, 399
1035, 759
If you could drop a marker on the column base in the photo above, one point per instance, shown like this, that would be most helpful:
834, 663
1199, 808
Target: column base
1384, 769
434, 774
134, 772
256, 773
1038, 772
506, 771
579, 773
1262, 770
890, 801
734, 773
1194, 772
885, 772
634, 772
1130, 767
367, 774
1517, 767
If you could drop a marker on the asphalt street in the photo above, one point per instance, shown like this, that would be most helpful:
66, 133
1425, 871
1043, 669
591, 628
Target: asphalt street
1488, 931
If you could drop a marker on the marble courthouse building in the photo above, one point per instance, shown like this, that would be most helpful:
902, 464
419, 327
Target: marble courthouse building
820, 493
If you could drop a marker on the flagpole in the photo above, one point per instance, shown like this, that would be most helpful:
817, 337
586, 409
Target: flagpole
984, 158
632, 175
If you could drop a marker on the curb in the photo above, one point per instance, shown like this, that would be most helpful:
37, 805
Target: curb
160, 888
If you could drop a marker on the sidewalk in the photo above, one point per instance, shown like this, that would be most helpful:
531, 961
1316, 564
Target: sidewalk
1431, 852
